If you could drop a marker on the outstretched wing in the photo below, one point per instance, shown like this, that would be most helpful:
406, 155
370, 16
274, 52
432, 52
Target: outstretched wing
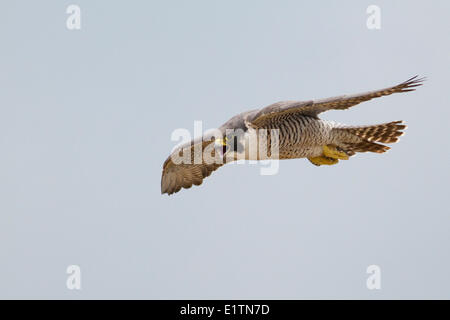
314, 107
183, 175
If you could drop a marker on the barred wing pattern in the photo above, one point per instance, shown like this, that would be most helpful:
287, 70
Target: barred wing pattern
314, 107
177, 176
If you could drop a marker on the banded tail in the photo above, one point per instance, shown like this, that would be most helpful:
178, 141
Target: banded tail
365, 138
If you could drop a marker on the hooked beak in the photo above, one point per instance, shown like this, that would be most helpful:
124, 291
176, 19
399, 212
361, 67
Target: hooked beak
220, 142
221, 146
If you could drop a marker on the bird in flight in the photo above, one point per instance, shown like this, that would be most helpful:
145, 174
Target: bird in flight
300, 134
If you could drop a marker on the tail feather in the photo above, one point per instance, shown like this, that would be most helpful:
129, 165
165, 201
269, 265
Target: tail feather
384, 133
366, 146
368, 136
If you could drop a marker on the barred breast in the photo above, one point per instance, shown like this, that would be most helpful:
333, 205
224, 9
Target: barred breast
301, 136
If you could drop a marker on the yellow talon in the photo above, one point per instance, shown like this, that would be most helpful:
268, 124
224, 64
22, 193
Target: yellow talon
323, 160
330, 151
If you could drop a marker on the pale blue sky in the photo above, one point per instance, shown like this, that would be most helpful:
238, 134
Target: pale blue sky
85, 124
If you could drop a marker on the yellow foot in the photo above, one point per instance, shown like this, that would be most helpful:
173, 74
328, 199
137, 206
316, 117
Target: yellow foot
323, 160
330, 151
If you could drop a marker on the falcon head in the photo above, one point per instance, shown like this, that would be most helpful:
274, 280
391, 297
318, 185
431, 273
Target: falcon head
231, 146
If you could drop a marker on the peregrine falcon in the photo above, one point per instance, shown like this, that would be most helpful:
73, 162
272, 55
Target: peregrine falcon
300, 134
